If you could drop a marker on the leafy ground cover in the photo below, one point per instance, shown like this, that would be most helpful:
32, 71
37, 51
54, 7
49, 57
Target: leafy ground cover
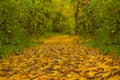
60, 58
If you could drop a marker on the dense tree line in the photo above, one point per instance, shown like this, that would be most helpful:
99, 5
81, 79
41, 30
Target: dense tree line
24, 20
100, 21
21, 21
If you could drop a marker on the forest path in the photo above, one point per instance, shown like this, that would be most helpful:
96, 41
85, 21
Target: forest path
60, 58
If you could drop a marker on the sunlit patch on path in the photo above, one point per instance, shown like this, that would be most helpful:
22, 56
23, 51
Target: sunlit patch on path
60, 58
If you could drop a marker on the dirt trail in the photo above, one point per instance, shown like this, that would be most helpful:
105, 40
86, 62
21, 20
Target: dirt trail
60, 58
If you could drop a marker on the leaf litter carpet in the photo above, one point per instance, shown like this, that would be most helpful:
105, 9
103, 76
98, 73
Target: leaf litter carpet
60, 58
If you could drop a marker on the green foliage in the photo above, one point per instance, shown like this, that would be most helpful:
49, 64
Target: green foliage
29, 3
49, 0
101, 22
72, 1
23, 22
92, 3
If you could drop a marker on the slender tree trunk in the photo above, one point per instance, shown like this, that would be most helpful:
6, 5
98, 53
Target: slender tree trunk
76, 16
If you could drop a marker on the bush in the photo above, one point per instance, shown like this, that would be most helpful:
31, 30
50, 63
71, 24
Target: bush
101, 21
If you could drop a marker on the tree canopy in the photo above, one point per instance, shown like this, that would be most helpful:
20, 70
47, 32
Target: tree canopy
21, 21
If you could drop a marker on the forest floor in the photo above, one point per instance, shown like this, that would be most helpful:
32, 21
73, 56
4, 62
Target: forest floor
60, 58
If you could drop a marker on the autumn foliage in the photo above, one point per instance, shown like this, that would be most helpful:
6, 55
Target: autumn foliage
87, 48
60, 58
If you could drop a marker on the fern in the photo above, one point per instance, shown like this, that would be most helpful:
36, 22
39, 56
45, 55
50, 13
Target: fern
92, 3
30, 4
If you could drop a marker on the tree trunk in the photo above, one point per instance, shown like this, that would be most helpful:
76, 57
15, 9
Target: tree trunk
76, 16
